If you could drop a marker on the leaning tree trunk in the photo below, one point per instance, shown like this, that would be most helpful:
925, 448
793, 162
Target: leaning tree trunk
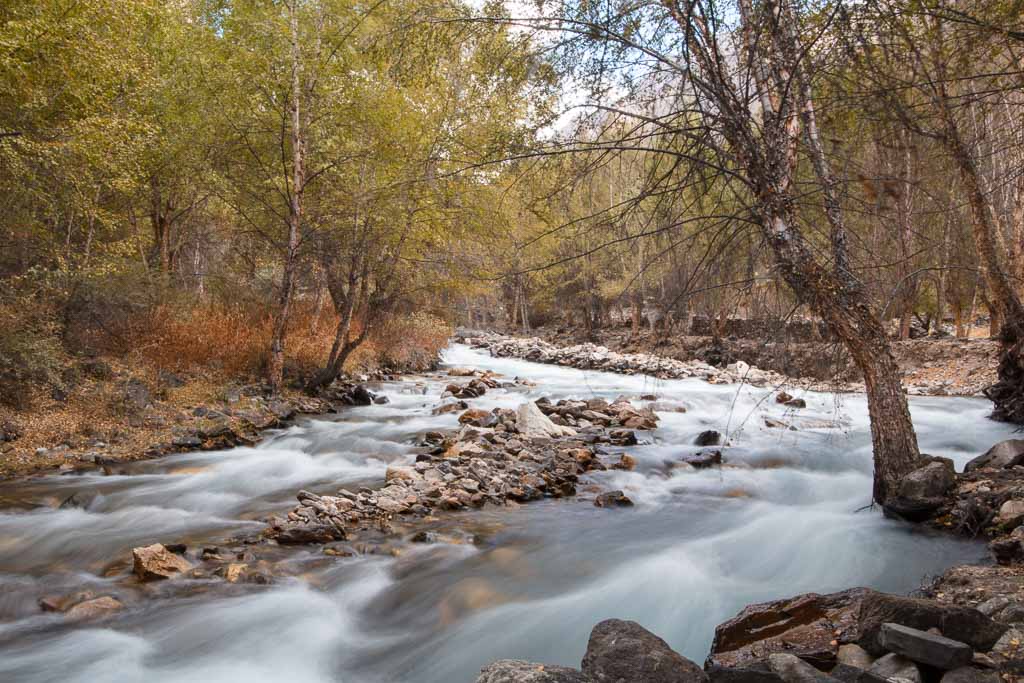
851, 319
1007, 394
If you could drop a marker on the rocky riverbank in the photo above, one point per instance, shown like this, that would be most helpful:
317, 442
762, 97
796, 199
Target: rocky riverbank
968, 626
931, 367
124, 417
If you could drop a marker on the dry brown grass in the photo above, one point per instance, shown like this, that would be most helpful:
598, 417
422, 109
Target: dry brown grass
228, 341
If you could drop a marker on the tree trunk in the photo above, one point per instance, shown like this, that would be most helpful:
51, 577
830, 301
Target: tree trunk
275, 367
1007, 394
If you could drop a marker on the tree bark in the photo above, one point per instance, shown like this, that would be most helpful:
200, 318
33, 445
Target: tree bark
275, 366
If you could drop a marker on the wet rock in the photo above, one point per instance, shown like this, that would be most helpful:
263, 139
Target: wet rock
782, 397
155, 562
61, 603
925, 648
622, 437
958, 623
922, 492
305, 534
424, 537
532, 423
893, 666
805, 625
756, 672
611, 499
80, 499
452, 407
518, 671
708, 438
970, 674
1004, 454
381, 400
792, 669
704, 459
625, 462
478, 417
97, 608
796, 403
625, 652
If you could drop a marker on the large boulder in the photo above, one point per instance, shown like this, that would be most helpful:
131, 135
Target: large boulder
805, 625
534, 424
925, 648
625, 652
958, 623
517, 671
923, 491
1004, 454
156, 562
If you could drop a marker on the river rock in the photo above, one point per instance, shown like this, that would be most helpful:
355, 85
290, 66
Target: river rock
625, 652
1011, 513
958, 623
923, 491
95, 609
518, 671
704, 459
156, 562
970, 674
708, 438
796, 403
792, 669
532, 423
477, 417
451, 407
611, 499
855, 656
892, 667
1004, 454
805, 625
926, 648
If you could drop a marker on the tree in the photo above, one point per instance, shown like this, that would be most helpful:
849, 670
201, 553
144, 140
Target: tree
742, 109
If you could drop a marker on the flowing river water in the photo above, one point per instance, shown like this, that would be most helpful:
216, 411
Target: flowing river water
785, 516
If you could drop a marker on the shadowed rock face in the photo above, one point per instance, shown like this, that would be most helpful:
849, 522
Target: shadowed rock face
1004, 454
626, 651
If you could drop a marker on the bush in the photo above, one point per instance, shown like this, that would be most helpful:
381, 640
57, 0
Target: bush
30, 352
410, 342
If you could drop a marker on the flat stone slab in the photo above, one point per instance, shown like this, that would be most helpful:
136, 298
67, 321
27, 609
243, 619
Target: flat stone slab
926, 648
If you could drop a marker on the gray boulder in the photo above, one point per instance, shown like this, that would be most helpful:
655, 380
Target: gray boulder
894, 666
518, 671
792, 669
926, 648
970, 674
923, 491
1004, 454
625, 652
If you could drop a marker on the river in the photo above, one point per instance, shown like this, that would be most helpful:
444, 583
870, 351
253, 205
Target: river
787, 515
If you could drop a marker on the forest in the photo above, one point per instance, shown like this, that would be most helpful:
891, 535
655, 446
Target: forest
269, 227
